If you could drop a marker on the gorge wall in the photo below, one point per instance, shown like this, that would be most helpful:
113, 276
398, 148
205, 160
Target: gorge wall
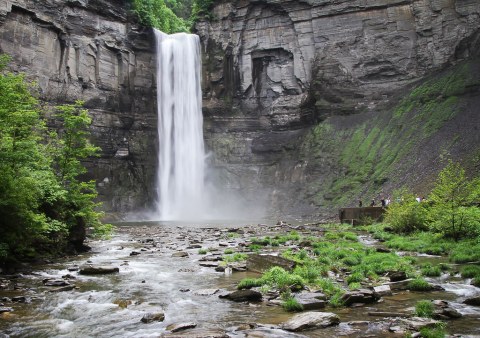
315, 104
308, 105
89, 50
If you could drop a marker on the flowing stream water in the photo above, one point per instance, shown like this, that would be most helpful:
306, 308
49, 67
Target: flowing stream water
181, 155
153, 280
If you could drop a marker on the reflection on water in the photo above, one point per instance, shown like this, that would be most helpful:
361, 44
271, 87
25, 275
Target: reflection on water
112, 305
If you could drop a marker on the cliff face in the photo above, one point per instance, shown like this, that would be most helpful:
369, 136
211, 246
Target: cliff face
288, 85
87, 50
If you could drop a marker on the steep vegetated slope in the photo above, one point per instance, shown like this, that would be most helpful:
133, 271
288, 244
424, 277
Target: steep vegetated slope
317, 104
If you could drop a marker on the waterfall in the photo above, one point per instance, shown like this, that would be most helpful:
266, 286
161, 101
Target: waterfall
181, 154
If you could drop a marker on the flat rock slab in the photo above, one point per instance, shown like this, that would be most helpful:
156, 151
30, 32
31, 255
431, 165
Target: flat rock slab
5, 309
197, 333
206, 292
243, 296
97, 270
181, 326
261, 263
63, 288
264, 332
359, 296
417, 323
382, 290
56, 282
311, 320
180, 254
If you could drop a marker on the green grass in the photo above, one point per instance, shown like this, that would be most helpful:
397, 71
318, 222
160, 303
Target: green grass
424, 308
236, 257
228, 251
470, 271
290, 304
429, 270
419, 284
202, 251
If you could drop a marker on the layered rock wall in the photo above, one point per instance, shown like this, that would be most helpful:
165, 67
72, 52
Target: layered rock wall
88, 50
274, 68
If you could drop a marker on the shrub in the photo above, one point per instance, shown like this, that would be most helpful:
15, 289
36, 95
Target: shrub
436, 332
202, 251
228, 251
424, 308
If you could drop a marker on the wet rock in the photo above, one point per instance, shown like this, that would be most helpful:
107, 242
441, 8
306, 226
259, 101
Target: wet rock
474, 301
311, 320
19, 299
243, 296
220, 268
198, 333
5, 309
311, 300
267, 332
363, 296
97, 270
134, 253
69, 287
211, 258
382, 290
443, 310
73, 268
184, 290
180, 254
194, 246
208, 264
397, 276
238, 266
383, 250
206, 292
56, 282
153, 317
181, 326
261, 263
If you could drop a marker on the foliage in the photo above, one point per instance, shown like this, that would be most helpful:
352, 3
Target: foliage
43, 201
405, 214
236, 257
436, 332
201, 8
155, 13
452, 212
202, 251
424, 308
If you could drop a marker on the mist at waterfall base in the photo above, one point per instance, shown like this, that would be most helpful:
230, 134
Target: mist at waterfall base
187, 188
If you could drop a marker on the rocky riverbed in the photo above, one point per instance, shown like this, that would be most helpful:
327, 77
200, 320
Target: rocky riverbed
152, 280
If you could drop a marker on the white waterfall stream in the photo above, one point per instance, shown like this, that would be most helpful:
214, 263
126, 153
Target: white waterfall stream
181, 158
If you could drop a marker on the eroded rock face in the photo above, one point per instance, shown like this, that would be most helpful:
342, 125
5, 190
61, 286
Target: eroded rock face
88, 50
272, 68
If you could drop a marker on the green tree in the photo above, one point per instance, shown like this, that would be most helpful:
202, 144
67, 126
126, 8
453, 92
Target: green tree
453, 212
405, 214
43, 199
155, 13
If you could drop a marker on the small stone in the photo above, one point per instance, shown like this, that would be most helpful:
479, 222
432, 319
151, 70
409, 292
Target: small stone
97, 270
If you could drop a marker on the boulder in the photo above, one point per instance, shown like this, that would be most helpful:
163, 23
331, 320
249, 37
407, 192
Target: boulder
97, 270
443, 310
397, 276
382, 290
363, 296
243, 296
311, 300
311, 320
474, 301
153, 317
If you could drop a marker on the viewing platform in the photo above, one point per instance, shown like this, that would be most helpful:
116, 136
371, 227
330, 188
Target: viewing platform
357, 216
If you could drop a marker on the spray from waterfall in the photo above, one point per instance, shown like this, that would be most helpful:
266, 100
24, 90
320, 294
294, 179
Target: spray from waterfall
181, 160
